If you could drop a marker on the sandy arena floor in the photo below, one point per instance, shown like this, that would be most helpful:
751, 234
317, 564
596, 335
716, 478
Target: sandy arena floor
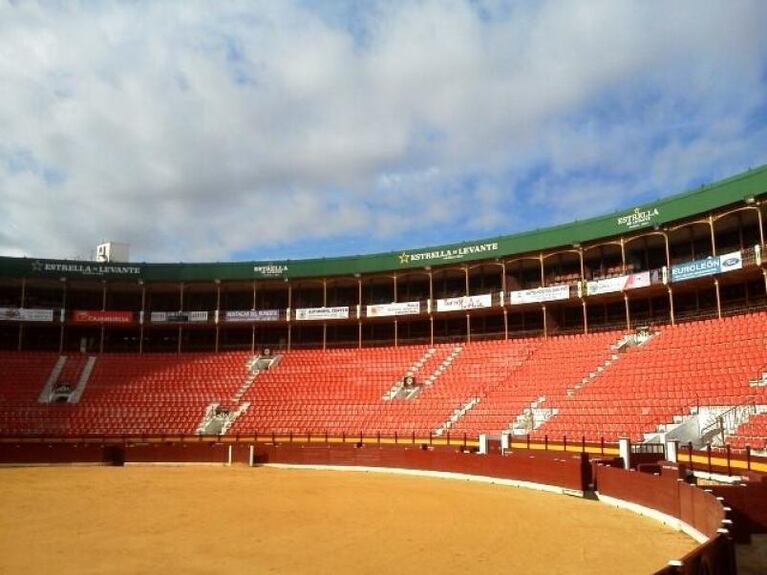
174, 520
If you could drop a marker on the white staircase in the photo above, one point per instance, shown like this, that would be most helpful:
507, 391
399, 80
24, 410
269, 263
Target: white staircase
256, 365
444, 365
761, 381
53, 378
640, 337
704, 424
53, 392
456, 415
593, 374
400, 391
85, 375
532, 417
207, 419
621, 346
233, 415
217, 419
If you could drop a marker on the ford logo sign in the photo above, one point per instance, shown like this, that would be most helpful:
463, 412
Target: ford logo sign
730, 262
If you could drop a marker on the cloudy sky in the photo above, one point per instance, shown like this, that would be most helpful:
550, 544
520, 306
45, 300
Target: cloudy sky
203, 131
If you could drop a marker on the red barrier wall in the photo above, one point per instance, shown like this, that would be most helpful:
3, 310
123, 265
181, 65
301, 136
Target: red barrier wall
655, 492
700, 509
177, 453
668, 494
665, 493
569, 471
54, 453
749, 506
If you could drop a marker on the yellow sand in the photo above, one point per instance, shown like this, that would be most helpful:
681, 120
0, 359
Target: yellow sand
175, 520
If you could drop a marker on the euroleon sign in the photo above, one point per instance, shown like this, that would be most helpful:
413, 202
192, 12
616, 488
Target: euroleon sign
707, 266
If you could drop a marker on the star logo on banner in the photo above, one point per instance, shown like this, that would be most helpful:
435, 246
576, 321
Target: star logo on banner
404, 258
37, 266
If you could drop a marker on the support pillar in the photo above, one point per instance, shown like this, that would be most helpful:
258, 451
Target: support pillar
624, 451
103, 308
671, 305
181, 308
142, 318
23, 303
290, 329
431, 330
217, 314
718, 299
764, 275
672, 448
63, 316
628, 312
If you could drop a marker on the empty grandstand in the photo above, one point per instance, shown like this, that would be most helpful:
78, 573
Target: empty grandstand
644, 324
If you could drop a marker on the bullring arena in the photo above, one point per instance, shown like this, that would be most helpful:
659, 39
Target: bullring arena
589, 398
192, 519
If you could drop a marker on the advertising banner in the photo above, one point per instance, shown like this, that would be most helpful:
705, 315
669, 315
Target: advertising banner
178, 316
620, 283
252, 315
465, 303
94, 316
707, 266
321, 313
24, 314
85, 269
538, 295
446, 254
392, 309
730, 262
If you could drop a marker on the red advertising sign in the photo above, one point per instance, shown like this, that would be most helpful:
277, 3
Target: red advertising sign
88, 316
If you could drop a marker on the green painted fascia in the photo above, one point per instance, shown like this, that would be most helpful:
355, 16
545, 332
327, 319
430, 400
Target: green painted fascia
673, 208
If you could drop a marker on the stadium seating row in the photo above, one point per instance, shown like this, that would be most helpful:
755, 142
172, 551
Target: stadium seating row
577, 385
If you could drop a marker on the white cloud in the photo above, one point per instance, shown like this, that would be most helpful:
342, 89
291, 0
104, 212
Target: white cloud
195, 130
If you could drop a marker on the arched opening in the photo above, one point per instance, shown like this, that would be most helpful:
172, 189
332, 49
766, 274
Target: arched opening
523, 273
342, 292
645, 252
737, 230
602, 261
562, 268
690, 242
449, 283
485, 278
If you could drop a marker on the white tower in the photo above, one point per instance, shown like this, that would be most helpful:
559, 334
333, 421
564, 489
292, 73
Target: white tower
112, 252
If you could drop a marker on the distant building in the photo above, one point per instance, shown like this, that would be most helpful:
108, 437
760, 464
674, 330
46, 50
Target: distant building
113, 252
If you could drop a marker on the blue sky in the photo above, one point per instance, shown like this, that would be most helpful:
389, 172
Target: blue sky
203, 131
